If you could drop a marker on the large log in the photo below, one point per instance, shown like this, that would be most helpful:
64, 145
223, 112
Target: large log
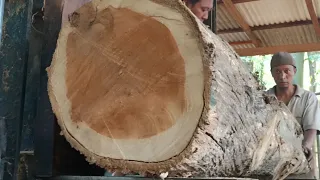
144, 86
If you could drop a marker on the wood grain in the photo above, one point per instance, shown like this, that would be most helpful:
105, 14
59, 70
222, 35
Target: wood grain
119, 78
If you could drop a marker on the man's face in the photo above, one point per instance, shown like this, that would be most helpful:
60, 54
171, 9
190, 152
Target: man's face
283, 75
201, 9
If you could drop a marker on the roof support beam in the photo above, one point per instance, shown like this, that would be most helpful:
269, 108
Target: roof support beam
240, 43
231, 8
271, 26
237, 1
292, 48
313, 16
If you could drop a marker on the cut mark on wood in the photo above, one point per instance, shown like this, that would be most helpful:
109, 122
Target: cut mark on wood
211, 136
266, 142
154, 74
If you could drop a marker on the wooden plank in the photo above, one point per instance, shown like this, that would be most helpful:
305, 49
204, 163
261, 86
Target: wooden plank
271, 26
13, 58
313, 16
271, 50
244, 25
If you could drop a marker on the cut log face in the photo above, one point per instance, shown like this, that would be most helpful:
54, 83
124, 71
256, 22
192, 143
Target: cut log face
130, 80
143, 86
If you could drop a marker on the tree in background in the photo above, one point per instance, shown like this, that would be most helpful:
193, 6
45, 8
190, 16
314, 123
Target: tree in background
259, 66
256, 66
314, 58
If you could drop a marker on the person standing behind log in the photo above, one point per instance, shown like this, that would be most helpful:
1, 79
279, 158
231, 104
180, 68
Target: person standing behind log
200, 8
302, 103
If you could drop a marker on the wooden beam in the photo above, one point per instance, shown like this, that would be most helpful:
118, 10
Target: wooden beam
231, 8
282, 25
292, 48
240, 43
271, 26
226, 31
237, 1
313, 16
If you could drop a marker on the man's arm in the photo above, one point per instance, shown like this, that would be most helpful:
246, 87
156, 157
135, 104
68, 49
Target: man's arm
307, 143
311, 124
309, 138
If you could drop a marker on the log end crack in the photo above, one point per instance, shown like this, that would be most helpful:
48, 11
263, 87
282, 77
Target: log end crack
211, 136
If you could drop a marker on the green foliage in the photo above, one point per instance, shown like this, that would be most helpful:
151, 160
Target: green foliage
258, 67
314, 56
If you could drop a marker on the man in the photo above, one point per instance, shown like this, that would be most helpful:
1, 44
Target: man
302, 103
200, 8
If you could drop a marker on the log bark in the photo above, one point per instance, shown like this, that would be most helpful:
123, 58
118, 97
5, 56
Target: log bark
144, 86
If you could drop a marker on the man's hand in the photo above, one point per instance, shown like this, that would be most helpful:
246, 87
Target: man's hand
308, 153
308, 141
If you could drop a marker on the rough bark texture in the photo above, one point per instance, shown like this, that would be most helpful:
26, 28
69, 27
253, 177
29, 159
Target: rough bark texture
241, 132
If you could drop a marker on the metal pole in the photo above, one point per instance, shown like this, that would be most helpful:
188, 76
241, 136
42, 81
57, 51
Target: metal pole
317, 153
1, 18
214, 17
318, 147
13, 57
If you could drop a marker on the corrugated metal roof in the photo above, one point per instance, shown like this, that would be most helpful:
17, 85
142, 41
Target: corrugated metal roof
224, 20
232, 37
266, 12
290, 35
276, 37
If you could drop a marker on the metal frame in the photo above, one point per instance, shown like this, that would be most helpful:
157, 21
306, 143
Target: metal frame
211, 21
214, 17
318, 144
45, 123
13, 66
33, 80
1, 18
139, 178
